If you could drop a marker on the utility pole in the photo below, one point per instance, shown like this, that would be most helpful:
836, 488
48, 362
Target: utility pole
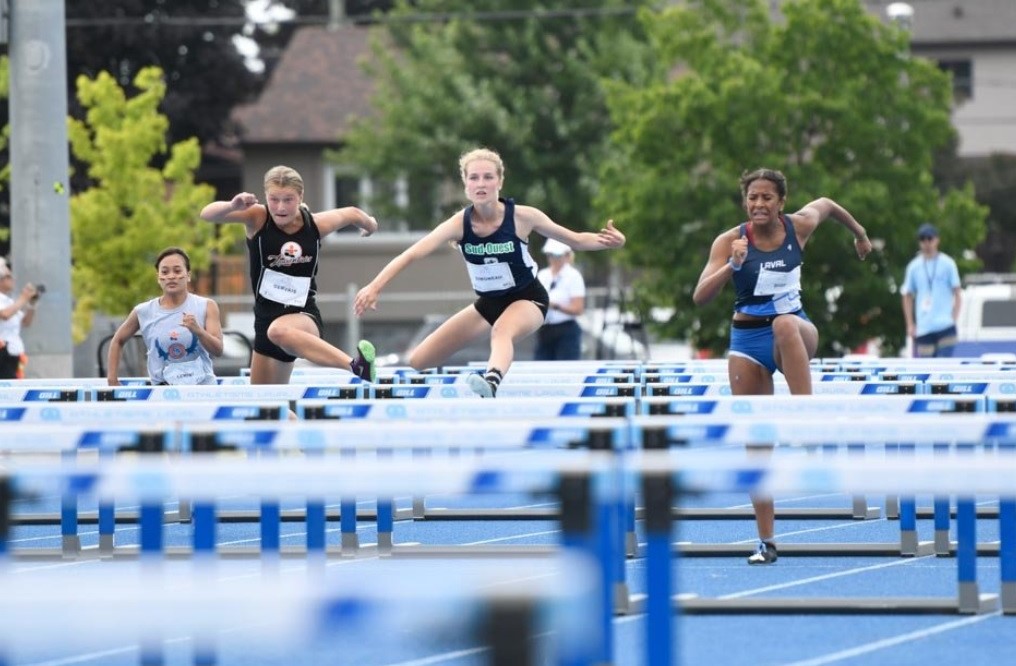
40, 211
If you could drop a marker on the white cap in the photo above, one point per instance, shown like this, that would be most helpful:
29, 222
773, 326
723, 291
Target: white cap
555, 248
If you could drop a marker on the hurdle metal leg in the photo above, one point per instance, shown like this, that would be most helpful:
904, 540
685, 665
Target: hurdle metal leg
204, 523
583, 533
908, 516
271, 537
658, 495
70, 541
1007, 553
940, 509
970, 599
892, 502
347, 517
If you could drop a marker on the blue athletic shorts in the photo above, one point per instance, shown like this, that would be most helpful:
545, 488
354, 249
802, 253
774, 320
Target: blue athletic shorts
754, 340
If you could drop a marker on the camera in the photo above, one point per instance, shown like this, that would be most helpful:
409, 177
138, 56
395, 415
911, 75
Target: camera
40, 289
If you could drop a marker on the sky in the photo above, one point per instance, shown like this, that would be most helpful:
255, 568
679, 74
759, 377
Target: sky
258, 11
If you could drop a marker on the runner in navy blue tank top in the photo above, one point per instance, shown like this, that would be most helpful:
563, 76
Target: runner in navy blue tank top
769, 331
283, 247
493, 236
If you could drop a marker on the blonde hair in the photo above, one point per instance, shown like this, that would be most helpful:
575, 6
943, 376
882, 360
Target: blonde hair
480, 154
284, 176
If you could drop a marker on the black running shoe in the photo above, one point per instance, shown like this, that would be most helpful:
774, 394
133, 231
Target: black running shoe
363, 365
764, 554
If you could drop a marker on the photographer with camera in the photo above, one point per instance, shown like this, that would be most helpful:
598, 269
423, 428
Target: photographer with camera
14, 313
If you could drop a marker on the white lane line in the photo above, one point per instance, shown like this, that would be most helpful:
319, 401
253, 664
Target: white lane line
512, 538
86, 657
810, 530
438, 658
829, 576
866, 648
788, 500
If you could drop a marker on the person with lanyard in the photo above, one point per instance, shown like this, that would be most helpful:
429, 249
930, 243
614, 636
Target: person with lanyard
493, 235
15, 313
284, 251
560, 337
931, 294
769, 331
181, 330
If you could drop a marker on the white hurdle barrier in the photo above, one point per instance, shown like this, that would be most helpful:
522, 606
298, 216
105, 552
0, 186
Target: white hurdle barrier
587, 486
865, 388
894, 437
349, 439
140, 412
666, 475
299, 613
465, 408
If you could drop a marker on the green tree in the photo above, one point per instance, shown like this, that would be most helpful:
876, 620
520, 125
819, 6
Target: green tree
520, 76
825, 93
994, 180
133, 210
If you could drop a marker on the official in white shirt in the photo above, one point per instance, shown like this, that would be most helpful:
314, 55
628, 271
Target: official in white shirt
560, 337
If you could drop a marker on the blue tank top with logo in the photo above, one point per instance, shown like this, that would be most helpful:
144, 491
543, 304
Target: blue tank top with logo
769, 283
498, 264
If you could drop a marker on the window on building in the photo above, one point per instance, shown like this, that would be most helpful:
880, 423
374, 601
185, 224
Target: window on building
962, 78
347, 190
404, 204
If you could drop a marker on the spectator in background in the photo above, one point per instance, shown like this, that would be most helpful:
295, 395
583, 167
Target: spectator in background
931, 297
181, 330
560, 337
15, 312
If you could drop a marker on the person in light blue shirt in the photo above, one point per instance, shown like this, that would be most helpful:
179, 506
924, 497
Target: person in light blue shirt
931, 297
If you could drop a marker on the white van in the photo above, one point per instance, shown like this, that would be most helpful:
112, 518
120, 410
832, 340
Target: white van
987, 319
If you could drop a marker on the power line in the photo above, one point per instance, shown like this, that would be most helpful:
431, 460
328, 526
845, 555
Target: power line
156, 19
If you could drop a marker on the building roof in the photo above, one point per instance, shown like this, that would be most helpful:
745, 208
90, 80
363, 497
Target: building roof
314, 91
968, 22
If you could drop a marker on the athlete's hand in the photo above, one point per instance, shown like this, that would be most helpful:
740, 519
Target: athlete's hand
610, 236
369, 227
243, 201
739, 251
190, 322
366, 299
863, 246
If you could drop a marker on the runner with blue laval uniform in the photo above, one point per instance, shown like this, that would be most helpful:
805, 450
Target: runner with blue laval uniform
769, 331
493, 236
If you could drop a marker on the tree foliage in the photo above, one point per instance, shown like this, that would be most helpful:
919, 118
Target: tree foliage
994, 180
825, 93
133, 210
523, 77
205, 74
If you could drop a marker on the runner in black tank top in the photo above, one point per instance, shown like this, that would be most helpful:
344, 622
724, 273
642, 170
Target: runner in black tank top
283, 245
